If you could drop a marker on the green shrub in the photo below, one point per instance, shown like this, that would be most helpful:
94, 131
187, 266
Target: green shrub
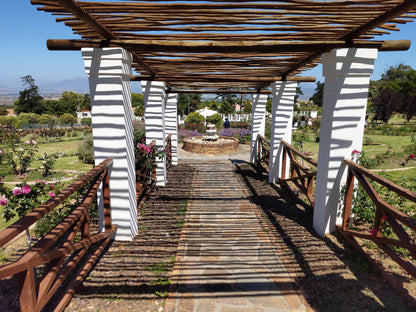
215, 119
194, 118
139, 133
86, 150
86, 122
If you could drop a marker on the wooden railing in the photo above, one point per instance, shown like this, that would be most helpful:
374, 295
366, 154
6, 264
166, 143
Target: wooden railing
263, 150
145, 172
402, 225
299, 174
60, 251
168, 150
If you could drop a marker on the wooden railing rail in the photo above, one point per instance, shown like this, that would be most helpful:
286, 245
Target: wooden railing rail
300, 175
145, 172
57, 250
168, 150
263, 150
403, 225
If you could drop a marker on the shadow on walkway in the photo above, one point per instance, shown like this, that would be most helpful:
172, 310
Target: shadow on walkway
331, 276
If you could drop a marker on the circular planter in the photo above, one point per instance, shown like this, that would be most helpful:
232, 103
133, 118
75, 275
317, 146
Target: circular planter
223, 145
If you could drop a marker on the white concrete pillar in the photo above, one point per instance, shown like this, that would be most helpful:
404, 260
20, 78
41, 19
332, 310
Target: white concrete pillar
154, 114
347, 76
258, 123
282, 115
109, 71
171, 123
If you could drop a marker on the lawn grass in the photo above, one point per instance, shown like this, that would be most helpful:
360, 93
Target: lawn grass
408, 174
66, 163
68, 147
383, 142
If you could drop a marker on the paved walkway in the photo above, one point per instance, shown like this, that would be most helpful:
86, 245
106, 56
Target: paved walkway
226, 262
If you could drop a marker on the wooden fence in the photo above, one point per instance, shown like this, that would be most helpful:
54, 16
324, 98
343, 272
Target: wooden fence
263, 150
299, 174
61, 250
168, 151
402, 225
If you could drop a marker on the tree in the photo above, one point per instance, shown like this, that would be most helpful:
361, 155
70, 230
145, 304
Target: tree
29, 100
137, 101
228, 102
3, 111
318, 96
248, 107
86, 102
28, 119
68, 103
269, 104
386, 103
226, 108
394, 92
68, 119
50, 120
298, 93
188, 103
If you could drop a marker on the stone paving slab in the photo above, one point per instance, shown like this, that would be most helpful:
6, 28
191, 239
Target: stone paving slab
226, 262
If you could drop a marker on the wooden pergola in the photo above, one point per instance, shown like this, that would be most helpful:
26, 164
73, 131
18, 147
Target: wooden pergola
218, 45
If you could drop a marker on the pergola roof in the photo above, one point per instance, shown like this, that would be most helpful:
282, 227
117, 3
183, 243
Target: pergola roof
220, 44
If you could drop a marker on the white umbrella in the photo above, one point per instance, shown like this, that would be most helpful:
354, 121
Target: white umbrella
206, 112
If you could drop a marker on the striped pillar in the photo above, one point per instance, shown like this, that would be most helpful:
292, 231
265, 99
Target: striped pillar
154, 114
109, 71
282, 115
347, 77
171, 123
258, 123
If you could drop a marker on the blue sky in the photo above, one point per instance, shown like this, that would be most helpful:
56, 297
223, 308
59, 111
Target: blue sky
24, 31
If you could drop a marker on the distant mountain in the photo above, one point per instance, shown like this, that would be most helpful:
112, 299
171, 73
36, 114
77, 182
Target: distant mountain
79, 85
308, 89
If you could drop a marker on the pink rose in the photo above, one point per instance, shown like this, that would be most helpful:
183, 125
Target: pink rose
51, 194
355, 152
17, 191
412, 156
26, 189
3, 201
373, 232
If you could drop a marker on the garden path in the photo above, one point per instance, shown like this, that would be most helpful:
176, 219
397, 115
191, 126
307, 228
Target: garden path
226, 261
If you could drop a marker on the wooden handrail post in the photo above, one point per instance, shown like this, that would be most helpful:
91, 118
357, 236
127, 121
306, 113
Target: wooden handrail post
27, 290
258, 148
349, 194
284, 159
107, 202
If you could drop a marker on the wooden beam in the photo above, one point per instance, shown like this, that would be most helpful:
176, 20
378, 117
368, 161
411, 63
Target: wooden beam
90, 20
225, 78
218, 91
227, 46
396, 11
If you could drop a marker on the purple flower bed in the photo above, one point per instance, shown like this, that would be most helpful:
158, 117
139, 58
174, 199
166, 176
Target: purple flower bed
182, 133
235, 132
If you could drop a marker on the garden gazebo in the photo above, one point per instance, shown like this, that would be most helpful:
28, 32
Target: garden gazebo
240, 46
